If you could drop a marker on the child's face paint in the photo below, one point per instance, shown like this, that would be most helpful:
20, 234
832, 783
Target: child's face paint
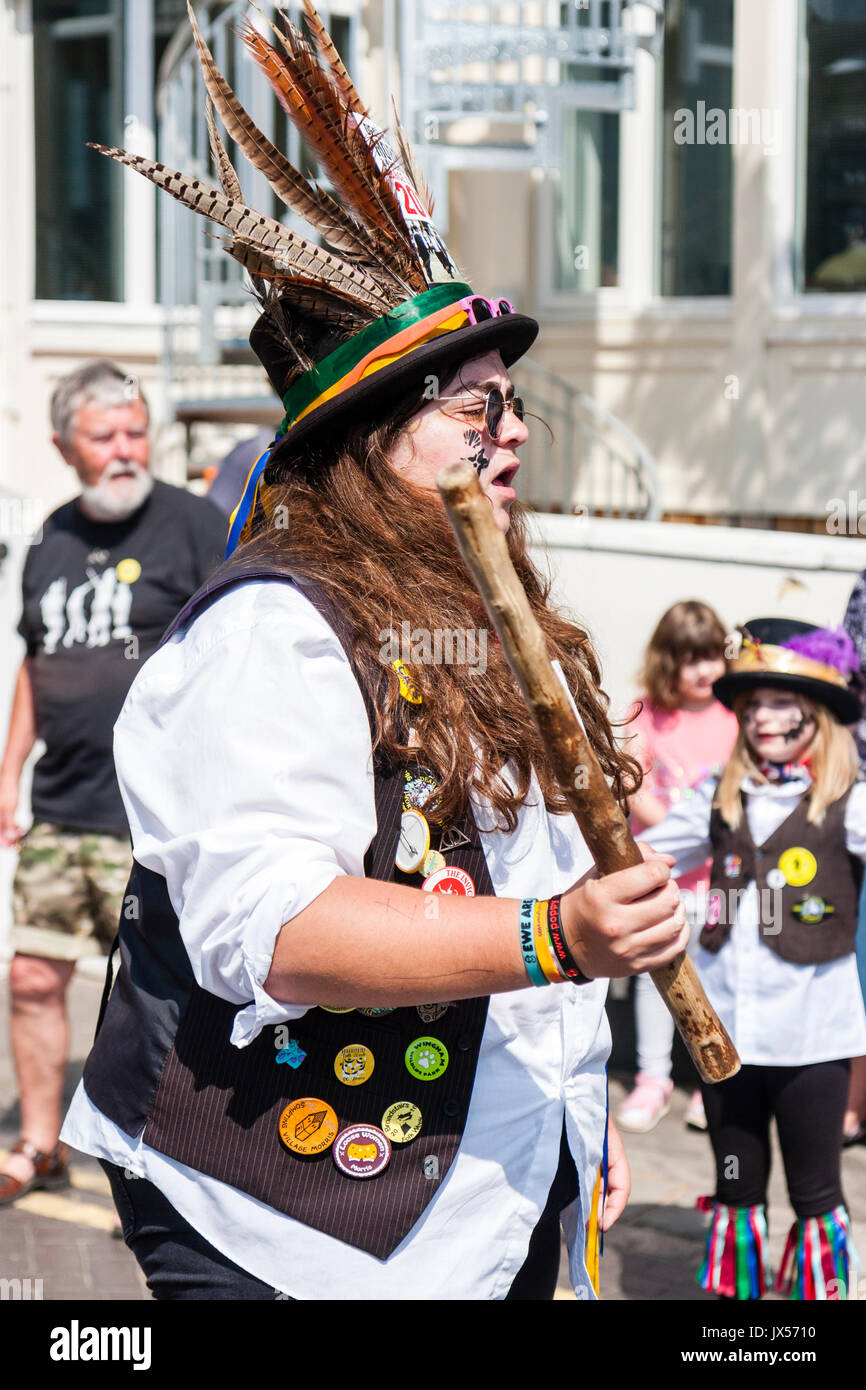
777, 727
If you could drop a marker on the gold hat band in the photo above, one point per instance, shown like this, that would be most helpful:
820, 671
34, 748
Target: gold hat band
755, 657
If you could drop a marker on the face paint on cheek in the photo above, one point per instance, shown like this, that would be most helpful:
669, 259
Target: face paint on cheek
804, 722
475, 451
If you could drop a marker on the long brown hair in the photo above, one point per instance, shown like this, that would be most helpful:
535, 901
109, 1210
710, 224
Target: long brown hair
833, 763
384, 553
689, 631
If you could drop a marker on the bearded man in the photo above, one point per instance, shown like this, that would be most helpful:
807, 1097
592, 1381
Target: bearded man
110, 572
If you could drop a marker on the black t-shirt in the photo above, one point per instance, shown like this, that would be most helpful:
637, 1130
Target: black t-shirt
97, 598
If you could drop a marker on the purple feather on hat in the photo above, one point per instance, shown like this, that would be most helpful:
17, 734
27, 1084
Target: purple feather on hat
832, 646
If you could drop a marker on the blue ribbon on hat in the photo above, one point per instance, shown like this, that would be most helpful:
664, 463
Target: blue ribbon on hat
245, 508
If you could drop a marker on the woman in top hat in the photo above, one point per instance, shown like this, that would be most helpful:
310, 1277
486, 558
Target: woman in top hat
329, 772
786, 827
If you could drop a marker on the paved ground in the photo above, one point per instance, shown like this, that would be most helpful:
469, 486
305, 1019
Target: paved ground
65, 1239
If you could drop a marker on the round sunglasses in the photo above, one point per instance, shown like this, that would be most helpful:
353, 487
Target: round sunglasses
493, 404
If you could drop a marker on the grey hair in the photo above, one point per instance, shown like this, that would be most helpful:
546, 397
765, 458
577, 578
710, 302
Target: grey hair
98, 383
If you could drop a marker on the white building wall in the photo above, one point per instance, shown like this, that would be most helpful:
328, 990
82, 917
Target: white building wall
784, 440
617, 578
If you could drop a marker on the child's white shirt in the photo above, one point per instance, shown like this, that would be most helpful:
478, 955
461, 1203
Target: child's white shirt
778, 1014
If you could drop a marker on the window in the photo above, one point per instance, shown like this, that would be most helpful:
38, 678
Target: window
833, 203
587, 202
697, 163
77, 55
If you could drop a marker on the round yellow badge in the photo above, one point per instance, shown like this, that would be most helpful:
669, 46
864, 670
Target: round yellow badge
402, 1122
325, 1009
127, 571
798, 865
308, 1126
353, 1065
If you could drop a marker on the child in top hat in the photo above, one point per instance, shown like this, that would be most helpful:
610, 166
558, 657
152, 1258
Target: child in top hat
786, 827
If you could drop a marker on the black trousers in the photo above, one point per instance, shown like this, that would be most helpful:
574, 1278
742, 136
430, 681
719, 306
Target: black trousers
808, 1105
180, 1264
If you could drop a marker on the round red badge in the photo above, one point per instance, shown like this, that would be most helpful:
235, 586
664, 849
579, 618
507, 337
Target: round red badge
450, 880
361, 1151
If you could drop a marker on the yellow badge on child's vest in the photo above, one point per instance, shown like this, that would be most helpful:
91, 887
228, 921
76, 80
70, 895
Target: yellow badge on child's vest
798, 865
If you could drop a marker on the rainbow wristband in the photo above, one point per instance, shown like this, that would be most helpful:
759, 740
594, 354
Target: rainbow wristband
543, 948
527, 946
562, 955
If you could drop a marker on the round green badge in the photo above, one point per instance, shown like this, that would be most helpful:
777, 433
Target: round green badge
426, 1059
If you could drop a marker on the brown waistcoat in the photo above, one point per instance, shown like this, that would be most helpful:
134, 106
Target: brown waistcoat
808, 909
162, 1061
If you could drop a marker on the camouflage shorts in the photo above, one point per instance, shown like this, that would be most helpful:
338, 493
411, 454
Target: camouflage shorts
68, 891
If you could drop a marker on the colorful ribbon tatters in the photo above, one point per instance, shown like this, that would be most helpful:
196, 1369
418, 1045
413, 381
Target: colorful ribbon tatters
736, 1263
820, 1261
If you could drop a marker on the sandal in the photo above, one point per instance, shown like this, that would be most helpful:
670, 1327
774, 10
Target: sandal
51, 1172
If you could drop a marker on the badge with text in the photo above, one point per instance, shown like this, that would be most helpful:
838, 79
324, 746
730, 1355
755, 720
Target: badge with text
308, 1126
353, 1065
419, 790
450, 880
362, 1151
426, 1059
402, 1122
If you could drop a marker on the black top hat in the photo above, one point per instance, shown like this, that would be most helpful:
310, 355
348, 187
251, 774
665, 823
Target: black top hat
371, 398
784, 654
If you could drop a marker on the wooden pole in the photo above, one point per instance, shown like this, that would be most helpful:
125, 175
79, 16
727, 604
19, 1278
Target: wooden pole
601, 820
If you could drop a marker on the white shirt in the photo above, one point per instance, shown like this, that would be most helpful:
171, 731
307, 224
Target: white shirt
244, 759
777, 1014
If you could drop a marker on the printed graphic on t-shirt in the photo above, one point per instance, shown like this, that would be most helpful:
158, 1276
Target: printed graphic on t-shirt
93, 613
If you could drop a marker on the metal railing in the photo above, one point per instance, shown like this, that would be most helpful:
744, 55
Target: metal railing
594, 465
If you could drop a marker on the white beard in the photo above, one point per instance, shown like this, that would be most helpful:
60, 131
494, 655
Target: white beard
110, 500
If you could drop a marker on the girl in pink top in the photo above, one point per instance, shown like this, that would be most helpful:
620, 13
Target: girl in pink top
682, 735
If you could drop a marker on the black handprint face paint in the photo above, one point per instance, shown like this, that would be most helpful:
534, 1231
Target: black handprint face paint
784, 720
777, 726
475, 451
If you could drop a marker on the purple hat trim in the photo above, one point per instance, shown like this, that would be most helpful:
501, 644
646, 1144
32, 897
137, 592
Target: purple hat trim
832, 646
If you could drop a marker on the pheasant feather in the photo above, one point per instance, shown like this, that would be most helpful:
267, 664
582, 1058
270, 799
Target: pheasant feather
287, 249
311, 203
